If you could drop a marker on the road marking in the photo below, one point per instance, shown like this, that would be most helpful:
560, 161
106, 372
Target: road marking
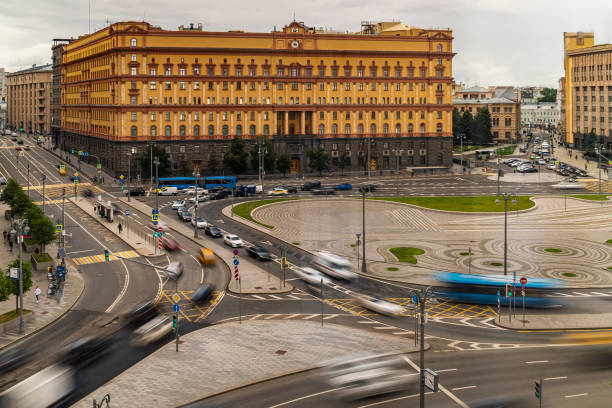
367, 322
555, 378
463, 388
385, 328
536, 362
576, 395
445, 370
600, 294
392, 400
306, 396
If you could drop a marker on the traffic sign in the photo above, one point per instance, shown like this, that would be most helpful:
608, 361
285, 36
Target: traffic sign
127, 213
121, 177
155, 217
14, 273
80, 152
85, 154
175, 307
76, 181
523, 280
99, 166
160, 234
154, 211
62, 167
160, 229
431, 379
154, 222
59, 228
236, 262
176, 298
415, 298
235, 252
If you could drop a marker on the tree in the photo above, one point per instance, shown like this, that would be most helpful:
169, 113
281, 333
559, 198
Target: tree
144, 161
269, 156
548, 95
237, 157
589, 143
283, 164
13, 285
466, 126
342, 162
9, 192
21, 204
42, 230
318, 160
482, 127
213, 162
457, 128
5, 283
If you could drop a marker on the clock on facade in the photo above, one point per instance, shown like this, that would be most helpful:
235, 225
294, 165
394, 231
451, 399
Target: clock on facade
295, 44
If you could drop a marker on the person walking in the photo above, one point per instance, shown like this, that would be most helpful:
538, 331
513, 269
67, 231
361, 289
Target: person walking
120, 227
37, 293
10, 241
5, 234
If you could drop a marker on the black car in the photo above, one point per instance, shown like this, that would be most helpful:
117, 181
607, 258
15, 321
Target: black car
202, 293
311, 185
215, 189
88, 193
324, 191
212, 231
20, 141
138, 191
259, 253
84, 350
141, 313
13, 358
290, 189
368, 188
220, 195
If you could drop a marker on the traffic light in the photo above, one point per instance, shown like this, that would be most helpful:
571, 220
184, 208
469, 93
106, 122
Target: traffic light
49, 269
106, 255
174, 321
538, 389
72, 151
508, 290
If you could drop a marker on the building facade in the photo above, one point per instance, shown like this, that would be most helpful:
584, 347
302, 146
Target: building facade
505, 115
29, 99
191, 92
57, 50
3, 94
542, 113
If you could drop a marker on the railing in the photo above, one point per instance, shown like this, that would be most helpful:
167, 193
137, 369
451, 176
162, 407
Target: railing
105, 399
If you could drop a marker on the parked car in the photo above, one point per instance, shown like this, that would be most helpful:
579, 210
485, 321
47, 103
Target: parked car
212, 231
345, 186
152, 331
207, 256
170, 244
178, 204
138, 191
530, 170
232, 240
185, 216
541, 161
278, 191
202, 293
310, 185
259, 253
199, 222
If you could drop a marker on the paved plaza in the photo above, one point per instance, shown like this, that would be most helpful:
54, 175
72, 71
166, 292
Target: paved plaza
575, 229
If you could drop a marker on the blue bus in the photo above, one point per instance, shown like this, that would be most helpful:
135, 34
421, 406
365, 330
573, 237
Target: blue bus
182, 183
482, 289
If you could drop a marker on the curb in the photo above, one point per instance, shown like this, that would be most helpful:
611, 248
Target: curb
553, 328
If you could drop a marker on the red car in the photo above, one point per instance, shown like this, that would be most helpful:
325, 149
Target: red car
170, 244
17, 147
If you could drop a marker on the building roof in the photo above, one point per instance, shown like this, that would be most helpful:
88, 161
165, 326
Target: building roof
47, 67
474, 89
504, 92
461, 101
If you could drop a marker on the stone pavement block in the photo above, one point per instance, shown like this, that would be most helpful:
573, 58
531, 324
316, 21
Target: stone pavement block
229, 355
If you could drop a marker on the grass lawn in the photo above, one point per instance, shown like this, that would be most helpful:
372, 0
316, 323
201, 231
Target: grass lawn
593, 197
295, 243
44, 257
505, 151
394, 269
609, 242
463, 204
12, 315
569, 274
467, 148
405, 254
610, 268
497, 264
464, 253
553, 250
244, 210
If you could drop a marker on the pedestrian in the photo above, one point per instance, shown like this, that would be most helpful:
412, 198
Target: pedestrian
585, 166
10, 244
120, 227
37, 293
5, 234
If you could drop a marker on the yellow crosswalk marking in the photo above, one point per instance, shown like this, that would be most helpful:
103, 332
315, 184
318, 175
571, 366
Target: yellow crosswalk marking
99, 258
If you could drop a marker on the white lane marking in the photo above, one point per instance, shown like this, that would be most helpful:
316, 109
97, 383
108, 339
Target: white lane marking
536, 362
78, 252
368, 322
385, 328
305, 397
555, 378
392, 400
463, 388
446, 370
600, 294
259, 297
440, 386
576, 395
581, 294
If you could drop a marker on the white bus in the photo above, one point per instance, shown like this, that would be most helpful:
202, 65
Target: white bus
334, 265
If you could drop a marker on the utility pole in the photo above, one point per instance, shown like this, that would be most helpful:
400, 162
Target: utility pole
357, 243
44, 178
22, 225
195, 211
368, 164
505, 197
63, 224
262, 171
151, 164
363, 264
157, 178
129, 175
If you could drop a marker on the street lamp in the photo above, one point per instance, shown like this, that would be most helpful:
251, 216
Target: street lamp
152, 144
195, 211
22, 229
505, 197
357, 243
156, 187
398, 154
461, 138
598, 150
261, 154
44, 179
129, 175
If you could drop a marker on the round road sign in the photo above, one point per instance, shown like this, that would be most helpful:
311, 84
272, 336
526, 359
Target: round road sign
235, 252
175, 307
236, 262
176, 297
523, 280
160, 229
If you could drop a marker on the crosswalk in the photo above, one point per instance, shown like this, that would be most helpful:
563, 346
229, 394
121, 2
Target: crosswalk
601, 293
85, 260
48, 202
606, 186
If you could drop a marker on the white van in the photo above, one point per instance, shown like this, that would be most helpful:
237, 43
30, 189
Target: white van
168, 191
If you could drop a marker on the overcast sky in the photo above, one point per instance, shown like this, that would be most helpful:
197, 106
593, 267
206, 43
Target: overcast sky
498, 42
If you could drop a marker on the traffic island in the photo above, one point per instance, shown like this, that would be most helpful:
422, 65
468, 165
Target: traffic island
552, 321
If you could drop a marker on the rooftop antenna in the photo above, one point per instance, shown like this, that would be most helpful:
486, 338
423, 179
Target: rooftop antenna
294, 16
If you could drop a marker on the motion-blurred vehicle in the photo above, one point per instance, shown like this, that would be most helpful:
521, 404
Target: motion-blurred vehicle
310, 185
27, 147
192, 190
185, 216
278, 191
259, 253
178, 204
85, 350
232, 240
171, 244
290, 189
200, 198
141, 313
20, 142
334, 266
202, 293
367, 374
175, 270
598, 337
13, 358
51, 386
168, 191
572, 179
87, 193
2, 181
324, 191
379, 305
152, 331
199, 222
160, 224
212, 231
180, 210
138, 191
344, 186
311, 276
207, 256
368, 188
220, 195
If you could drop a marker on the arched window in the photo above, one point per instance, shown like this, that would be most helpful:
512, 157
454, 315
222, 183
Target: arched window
321, 130
153, 131
439, 47
373, 129
196, 130
280, 100
410, 128
182, 130
398, 129
134, 131
252, 130
422, 128
211, 130
224, 130
134, 42
347, 129
334, 129
239, 130
266, 130
386, 129
168, 130
360, 129
439, 128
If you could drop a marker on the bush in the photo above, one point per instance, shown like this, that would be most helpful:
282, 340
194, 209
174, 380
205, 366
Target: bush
44, 257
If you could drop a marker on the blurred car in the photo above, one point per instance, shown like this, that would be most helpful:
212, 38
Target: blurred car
345, 186
152, 331
185, 216
85, 350
220, 195
232, 240
573, 179
20, 142
212, 231
138, 191
311, 276
171, 244
290, 189
17, 148
529, 170
201, 198
175, 270
14, 139
334, 265
202, 293
192, 190
278, 191
2, 181
541, 161
141, 313
199, 222
310, 185
13, 358
368, 188
49, 387
27, 147
259, 253
582, 173
207, 256
87, 193
160, 224
379, 305
180, 210
324, 191
178, 204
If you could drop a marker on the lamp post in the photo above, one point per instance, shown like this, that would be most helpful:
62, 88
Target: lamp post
28, 166
398, 154
157, 178
261, 154
129, 175
461, 138
363, 260
369, 164
505, 197
152, 144
195, 211
357, 242
44, 178
22, 228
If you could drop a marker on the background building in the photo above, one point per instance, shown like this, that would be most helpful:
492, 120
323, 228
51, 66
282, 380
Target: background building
29, 99
3, 95
57, 50
542, 113
192, 91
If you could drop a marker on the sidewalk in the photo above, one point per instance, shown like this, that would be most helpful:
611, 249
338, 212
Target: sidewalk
48, 309
258, 350
554, 322
254, 278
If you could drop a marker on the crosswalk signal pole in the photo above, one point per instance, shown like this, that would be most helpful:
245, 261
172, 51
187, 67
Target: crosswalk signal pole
538, 390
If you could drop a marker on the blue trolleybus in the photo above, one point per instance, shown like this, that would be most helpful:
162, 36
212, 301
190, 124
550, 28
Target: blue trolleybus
182, 183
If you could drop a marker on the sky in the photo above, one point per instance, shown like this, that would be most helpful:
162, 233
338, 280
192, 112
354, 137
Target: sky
511, 42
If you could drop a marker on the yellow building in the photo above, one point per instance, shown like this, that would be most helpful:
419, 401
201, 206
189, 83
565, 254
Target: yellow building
192, 91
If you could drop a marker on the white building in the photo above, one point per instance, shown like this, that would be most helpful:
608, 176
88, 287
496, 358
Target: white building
543, 113
3, 84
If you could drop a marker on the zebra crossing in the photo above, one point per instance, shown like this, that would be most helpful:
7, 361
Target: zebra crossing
85, 260
577, 294
606, 186
281, 296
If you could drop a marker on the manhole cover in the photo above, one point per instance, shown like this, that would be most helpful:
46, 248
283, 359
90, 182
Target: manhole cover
281, 352
258, 287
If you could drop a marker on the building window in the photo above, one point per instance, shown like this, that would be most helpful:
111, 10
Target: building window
239, 130
360, 129
168, 130
334, 129
347, 129
133, 71
182, 85
182, 71
422, 129
410, 128
224, 130
134, 42
196, 72
134, 115
321, 130
266, 130
153, 131
182, 149
196, 130
398, 129
386, 129
439, 128
134, 131
373, 129
168, 71
133, 100
211, 130
252, 130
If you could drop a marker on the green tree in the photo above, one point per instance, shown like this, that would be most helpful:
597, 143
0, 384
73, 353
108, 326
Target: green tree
5, 286
318, 160
283, 164
144, 161
213, 162
42, 230
548, 95
237, 158
269, 156
482, 127
457, 128
21, 204
10, 190
589, 143
342, 162
466, 125
13, 284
